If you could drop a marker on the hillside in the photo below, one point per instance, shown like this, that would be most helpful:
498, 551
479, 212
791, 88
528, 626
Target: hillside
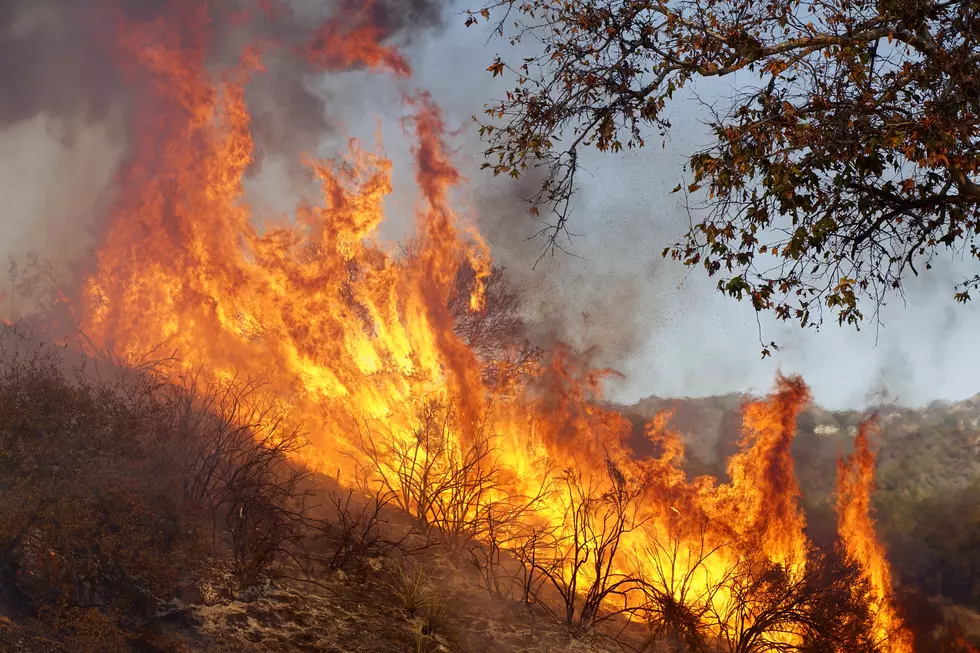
149, 512
370, 608
137, 515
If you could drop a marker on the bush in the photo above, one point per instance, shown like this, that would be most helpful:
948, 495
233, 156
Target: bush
445, 485
824, 605
237, 465
577, 558
117, 487
87, 518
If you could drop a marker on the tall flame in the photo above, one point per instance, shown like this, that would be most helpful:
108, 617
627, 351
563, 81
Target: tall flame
315, 308
360, 341
855, 483
763, 475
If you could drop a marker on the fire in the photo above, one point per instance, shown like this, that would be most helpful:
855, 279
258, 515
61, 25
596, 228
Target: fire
340, 46
184, 263
763, 476
359, 341
855, 483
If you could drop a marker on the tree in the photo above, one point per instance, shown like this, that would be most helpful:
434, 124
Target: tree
849, 158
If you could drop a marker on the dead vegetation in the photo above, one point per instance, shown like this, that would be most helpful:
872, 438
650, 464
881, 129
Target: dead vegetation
136, 511
118, 489
572, 570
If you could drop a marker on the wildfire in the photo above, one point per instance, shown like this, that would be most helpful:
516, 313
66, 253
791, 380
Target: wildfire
855, 483
360, 343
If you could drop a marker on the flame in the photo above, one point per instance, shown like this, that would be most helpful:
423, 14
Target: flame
290, 303
763, 474
855, 483
350, 39
359, 341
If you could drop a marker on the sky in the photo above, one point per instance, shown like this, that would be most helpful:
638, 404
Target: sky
685, 337
664, 327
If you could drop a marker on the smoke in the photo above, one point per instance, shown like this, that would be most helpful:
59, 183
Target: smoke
56, 58
612, 293
54, 62
66, 107
583, 297
64, 118
72, 101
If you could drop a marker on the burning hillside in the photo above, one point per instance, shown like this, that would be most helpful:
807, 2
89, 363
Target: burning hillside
359, 344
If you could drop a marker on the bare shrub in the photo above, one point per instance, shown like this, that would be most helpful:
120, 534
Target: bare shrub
529, 544
496, 333
238, 463
679, 588
34, 285
455, 491
577, 559
505, 530
358, 527
231, 444
445, 484
267, 519
823, 607
490, 555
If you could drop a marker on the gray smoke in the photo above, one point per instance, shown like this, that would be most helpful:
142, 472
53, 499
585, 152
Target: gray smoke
676, 334
580, 299
65, 106
63, 117
56, 57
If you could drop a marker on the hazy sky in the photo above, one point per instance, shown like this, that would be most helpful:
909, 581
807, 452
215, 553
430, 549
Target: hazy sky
663, 326
689, 339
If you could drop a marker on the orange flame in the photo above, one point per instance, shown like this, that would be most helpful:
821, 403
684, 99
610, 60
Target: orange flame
359, 340
763, 475
855, 483
351, 39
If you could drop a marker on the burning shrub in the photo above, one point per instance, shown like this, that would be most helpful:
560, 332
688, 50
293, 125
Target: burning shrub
755, 605
497, 332
578, 558
444, 484
817, 607
679, 587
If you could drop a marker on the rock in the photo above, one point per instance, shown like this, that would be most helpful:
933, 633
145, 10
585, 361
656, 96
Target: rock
182, 619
